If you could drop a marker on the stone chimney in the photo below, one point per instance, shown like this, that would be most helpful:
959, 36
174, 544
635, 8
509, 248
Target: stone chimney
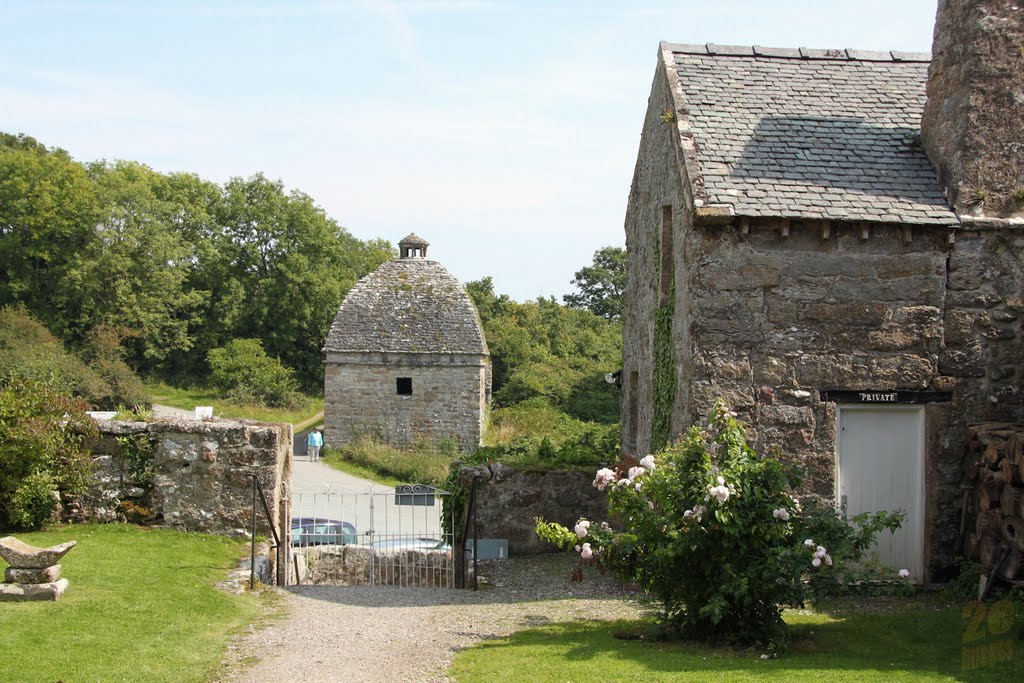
973, 122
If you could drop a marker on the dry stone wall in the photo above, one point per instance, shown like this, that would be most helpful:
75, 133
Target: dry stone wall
189, 475
508, 501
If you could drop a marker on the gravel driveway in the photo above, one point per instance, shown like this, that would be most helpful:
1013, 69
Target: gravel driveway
333, 633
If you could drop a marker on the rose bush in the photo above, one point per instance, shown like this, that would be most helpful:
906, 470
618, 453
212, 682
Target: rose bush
711, 531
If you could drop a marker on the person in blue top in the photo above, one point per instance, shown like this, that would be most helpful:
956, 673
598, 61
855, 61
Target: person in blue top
313, 443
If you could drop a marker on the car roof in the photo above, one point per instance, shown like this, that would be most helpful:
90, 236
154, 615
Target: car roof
302, 521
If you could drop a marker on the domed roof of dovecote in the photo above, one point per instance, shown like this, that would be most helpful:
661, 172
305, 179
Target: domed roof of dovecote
408, 305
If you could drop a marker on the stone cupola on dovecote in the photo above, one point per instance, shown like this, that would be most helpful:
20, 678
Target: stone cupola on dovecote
406, 358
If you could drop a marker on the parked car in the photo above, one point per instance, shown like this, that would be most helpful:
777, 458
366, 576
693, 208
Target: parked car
410, 543
307, 531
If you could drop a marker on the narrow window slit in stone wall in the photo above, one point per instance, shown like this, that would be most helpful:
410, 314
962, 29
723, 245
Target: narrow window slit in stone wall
404, 386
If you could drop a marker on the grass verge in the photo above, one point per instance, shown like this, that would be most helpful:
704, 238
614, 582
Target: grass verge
911, 642
421, 463
334, 459
141, 606
187, 399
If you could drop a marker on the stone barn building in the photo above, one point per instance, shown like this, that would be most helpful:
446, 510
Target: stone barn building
832, 242
406, 357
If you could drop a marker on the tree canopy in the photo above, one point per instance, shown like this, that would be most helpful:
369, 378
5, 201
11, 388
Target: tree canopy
542, 349
178, 264
601, 284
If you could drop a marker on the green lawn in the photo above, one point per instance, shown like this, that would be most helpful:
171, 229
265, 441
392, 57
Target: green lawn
916, 641
141, 606
187, 399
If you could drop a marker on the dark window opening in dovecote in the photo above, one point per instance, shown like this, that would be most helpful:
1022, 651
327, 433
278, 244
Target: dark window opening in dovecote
404, 386
667, 265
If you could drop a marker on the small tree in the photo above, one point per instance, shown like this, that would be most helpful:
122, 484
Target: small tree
600, 286
246, 374
712, 532
44, 437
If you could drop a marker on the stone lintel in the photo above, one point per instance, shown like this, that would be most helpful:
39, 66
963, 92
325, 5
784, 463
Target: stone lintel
990, 223
713, 215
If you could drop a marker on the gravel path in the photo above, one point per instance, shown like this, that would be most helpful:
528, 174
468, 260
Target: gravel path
406, 634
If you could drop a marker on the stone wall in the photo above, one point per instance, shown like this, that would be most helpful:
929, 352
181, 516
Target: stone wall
509, 500
448, 398
189, 475
973, 122
776, 320
770, 321
349, 565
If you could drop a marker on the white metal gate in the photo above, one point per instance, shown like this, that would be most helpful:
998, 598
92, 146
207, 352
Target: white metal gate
393, 537
881, 467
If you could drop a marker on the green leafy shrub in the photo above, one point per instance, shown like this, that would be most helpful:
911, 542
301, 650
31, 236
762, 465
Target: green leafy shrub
105, 353
99, 375
44, 437
33, 502
535, 433
246, 374
713, 534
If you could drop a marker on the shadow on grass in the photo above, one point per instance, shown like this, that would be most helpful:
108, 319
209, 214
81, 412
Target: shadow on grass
516, 580
918, 646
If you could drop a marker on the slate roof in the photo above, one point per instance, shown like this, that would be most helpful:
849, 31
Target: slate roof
408, 305
809, 134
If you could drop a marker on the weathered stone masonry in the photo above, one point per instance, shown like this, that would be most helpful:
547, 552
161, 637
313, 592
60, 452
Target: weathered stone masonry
189, 475
812, 248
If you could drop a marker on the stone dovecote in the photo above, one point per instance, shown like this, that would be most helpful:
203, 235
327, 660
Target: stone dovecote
791, 250
406, 358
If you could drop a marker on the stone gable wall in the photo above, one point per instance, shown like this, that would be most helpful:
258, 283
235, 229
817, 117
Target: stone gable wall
656, 184
448, 399
197, 476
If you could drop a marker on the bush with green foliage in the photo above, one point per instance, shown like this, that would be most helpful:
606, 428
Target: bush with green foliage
535, 433
540, 349
246, 374
712, 532
99, 375
44, 437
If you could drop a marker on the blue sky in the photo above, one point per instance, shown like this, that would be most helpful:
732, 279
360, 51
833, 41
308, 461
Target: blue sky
503, 132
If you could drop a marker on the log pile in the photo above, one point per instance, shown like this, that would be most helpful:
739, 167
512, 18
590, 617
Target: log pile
994, 491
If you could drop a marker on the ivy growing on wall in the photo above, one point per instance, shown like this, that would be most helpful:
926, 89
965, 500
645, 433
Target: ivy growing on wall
137, 452
664, 375
664, 380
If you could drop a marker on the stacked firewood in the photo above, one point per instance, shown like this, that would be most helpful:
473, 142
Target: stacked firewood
994, 477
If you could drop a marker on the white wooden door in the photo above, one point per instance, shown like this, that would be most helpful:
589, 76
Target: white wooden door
881, 467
